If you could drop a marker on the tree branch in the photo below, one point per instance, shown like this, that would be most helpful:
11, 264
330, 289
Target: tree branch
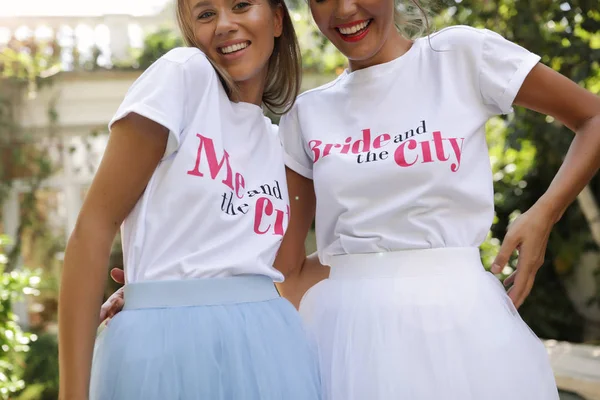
591, 212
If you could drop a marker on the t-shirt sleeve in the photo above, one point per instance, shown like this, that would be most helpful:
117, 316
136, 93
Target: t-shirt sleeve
294, 148
161, 94
503, 69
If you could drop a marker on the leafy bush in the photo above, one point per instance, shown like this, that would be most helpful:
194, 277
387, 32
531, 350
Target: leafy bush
14, 343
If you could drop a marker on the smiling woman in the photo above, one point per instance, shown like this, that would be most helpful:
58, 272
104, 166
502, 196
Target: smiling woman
202, 318
406, 309
236, 36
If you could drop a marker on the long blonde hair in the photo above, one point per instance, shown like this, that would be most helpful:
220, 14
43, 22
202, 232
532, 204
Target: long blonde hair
285, 64
412, 18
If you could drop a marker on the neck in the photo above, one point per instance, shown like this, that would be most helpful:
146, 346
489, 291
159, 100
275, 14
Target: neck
252, 90
395, 46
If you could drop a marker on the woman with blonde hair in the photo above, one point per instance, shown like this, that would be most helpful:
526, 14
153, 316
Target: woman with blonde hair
391, 161
194, 173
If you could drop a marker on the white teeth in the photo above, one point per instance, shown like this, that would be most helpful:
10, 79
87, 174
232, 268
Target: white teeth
233, 48
353, 29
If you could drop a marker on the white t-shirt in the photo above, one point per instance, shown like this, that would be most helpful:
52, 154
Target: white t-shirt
397, 152
217, 204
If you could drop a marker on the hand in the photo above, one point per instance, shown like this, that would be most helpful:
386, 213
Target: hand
528, 234
115, 302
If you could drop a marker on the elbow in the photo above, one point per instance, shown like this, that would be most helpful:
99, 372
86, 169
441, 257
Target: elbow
92, 235
590, 123
291, 271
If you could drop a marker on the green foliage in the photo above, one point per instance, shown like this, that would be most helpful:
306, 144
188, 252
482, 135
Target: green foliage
509, 166
14, 343
29, 61
25, 67
41, 369
528, 148
156, 45
318, 54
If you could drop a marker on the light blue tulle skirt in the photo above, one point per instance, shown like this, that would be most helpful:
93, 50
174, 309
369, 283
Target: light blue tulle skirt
207, 339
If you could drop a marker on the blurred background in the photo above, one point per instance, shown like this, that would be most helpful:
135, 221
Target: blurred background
65, 66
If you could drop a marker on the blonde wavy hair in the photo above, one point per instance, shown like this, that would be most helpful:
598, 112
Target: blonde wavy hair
412, 18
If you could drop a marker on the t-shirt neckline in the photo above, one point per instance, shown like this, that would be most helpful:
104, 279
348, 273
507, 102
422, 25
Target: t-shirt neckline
378, 70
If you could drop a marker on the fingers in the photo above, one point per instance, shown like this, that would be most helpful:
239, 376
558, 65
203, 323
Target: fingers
104, 310
510, 280
112, 306
117, 306
523, 278
118, 275
517, 289
509, 245
521, 289
529, 237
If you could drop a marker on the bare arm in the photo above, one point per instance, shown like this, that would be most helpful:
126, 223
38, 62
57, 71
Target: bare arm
134, 149
300, 272
550, 93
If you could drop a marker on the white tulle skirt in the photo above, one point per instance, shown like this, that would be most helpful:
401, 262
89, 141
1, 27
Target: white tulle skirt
422, 325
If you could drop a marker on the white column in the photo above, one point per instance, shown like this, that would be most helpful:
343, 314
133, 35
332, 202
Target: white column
118, 26
71, 188
10, 213
11, 217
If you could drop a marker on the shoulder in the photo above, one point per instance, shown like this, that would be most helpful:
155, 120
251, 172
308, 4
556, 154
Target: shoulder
185, 59
311, 95
179, 66
185, 55
175, 84
273, 132
306, 101
181, 71
458, 37
466, 40
455, 49
271, 128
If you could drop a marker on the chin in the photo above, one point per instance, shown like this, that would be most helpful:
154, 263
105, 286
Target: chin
241, 73
359, 52
360, 55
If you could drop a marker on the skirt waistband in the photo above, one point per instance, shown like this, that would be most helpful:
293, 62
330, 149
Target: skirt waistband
199, 292
406, 263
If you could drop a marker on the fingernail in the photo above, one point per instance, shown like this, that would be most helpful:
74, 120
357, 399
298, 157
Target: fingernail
495, 268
